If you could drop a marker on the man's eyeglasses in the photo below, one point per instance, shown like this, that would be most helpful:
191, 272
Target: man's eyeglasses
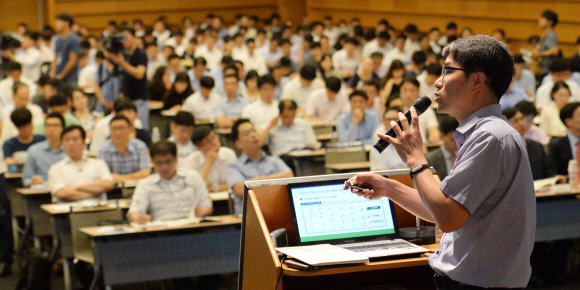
446, 70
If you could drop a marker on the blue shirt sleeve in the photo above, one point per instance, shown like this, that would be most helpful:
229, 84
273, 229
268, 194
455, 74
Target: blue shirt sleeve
8, 148
280, 165
29, 169
347, 131
235, 175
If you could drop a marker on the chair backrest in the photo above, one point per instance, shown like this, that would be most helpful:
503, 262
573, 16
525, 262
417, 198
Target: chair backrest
82, 247
346, 155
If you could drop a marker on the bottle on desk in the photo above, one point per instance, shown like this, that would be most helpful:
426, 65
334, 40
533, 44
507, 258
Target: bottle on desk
573, 174
155, 135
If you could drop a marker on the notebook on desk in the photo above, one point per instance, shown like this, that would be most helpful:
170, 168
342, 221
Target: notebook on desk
324, 213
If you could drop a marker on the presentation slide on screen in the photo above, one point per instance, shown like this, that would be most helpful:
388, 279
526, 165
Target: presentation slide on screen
328, 212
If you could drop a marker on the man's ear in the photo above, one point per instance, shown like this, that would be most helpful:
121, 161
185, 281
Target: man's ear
479, 81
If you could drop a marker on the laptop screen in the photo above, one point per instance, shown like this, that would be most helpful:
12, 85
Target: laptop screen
326, 213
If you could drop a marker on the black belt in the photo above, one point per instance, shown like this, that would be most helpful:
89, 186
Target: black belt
444, 282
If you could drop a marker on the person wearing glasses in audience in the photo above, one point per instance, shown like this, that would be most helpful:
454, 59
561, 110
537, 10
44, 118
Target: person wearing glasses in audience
359, 123
78, 177
490, 183
181, 131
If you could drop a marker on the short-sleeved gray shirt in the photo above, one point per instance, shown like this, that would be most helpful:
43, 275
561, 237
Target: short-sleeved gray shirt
548, 41
493, 180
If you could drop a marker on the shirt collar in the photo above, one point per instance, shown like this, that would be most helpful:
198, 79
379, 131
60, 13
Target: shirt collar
573, 139
156, 178
67, 159
245, 158
46, 146
473, 119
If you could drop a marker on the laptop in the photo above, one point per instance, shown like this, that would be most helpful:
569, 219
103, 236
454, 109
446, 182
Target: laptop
324, 213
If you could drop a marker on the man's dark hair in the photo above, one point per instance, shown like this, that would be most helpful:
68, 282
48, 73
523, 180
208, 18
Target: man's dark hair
557, 86
333, 84
66, 18
358, 93
451, 25
510, 112
285, 41
560, 65
17, 86
13, 66
124, 104
578, 40
518, 58
231, 76
227, 60
163, 147
377, 54
448, 124
384, 35
567, 112
207, 82
527, 108
57, 100
235, 135
55, 83
200, 133
72, 128
419, 57
172, 56
374, 83
32, 35
231, 66
55, 115
400, 36
433, 69
308, 72
552, 16
129, 29
412, 80
314, 45
287, 104
266, 79
250, 40
480, 53
285, 62
199, 61
411, 28
351, 40
184, 118
393, 108
120, 117
21, 117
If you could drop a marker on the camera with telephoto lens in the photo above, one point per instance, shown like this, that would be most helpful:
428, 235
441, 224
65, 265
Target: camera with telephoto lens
114, 43
6, 41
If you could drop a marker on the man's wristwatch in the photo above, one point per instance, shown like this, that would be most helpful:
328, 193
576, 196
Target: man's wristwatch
418, 169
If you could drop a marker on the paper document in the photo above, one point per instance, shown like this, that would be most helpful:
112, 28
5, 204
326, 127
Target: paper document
539, 184
324, 255
175, 223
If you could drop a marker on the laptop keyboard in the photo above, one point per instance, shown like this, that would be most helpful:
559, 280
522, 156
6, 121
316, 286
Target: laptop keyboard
379, 247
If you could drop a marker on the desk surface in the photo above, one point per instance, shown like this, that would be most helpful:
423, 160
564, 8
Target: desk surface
545, 192
32, 192
324, 137
380, 265
9, 175
225, 220
219, 196
64, 208
349, 166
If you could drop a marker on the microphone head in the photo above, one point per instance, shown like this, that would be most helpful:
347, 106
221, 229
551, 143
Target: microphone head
422, 104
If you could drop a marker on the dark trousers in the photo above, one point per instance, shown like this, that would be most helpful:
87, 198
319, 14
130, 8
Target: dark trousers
6, 238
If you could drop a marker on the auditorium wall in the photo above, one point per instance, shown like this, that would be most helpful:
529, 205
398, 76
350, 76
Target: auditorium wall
14, 12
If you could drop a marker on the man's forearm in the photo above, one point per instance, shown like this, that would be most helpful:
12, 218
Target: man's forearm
203, 211
409, 199
96, 187
135, 72
72, 62
71, 193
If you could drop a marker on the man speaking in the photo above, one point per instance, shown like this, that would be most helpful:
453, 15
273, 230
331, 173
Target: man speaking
486, 206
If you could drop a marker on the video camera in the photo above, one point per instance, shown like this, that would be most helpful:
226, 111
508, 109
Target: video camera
7, 41
114, 43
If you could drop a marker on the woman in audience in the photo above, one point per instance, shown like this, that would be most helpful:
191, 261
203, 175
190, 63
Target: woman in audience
363, 73
550, 117
253, 92
80, 103
326, 69
392, 80
180, 90
160, 84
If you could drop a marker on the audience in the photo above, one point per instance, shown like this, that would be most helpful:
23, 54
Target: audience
512, 96
7, 85
359, 123
181, 133
160, 83
548, 48
347, 59
428, 124
563, 149
77, 177
549, 121
254, 164
48, 88
22, 119
560, 71
533, 132
58, 104
102, 128
20, 98
524, 79
80, 105
261, 112
210, 159
203, 102
328, 103
180, 89
126, 157
65, 65
443, 158
44, 154
229, 108
388, 159
300, 88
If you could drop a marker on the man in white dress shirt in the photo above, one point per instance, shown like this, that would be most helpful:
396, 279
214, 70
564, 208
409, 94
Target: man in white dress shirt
347, 59
7, 84
560, 70
253, 60
379, 44
210, 52
327, 103
28, 56
77, 177
389, 159
261, 112
398, 52
181, 131
202, 103
300, 88
20, 100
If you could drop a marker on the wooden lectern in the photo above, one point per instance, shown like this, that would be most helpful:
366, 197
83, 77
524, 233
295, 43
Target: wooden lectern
267, 208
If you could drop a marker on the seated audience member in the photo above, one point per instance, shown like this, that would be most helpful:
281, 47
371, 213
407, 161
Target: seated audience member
262, 111
20, 100
512, 96
174, 66
443, 158
181, 131
44, 154
428, 124
178, 93
22, 119
80, 103
536, 154
210, 51
389, 159
202, 103
252, 93
392, 81
398, 52
359, 123
49, 88
559, 69
286, 133
326, 68
379, 44
394, 101
254, 164
524, 79
563, 149
77, 177
549, 120
372, 88
229, 108
533, 132
102, 131
160, 83
427, 80
327, 103
363, 73
347, 59
126, 157
59, 104
300, 88
14, 76
253, 60
197, 72
211, 159
171, 192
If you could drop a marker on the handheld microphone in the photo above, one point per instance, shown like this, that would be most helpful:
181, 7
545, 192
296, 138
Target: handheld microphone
421, 105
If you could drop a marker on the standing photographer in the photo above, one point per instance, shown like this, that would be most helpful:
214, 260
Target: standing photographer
134, 67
